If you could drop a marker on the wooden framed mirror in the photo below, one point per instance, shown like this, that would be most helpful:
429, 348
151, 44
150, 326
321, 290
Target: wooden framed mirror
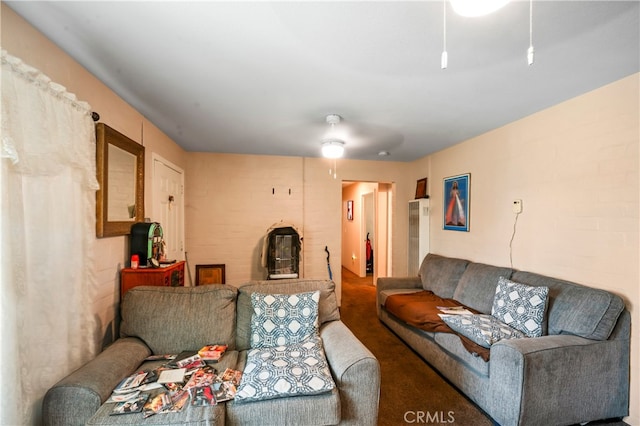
120, 172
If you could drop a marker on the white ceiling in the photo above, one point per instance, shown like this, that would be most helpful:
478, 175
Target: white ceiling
260, 77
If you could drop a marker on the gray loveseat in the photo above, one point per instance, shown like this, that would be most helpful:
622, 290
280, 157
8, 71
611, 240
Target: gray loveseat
578, 371
165, 320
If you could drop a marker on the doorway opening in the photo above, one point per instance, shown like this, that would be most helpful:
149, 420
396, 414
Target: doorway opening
366, 228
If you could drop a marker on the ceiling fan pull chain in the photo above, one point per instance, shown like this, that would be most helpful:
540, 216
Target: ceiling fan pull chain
334, 171
530, 51
444, 59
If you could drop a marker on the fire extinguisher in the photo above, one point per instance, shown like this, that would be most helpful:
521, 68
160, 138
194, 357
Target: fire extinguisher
369, 252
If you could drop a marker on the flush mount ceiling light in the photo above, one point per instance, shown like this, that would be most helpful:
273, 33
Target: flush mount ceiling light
472, 8
333, 147
475, 8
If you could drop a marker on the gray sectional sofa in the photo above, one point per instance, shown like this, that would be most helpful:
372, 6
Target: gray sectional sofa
577, 371
165, 320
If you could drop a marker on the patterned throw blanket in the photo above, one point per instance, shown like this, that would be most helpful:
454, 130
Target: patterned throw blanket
421, 310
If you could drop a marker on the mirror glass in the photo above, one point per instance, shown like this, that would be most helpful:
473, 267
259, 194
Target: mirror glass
122, 185
120, 169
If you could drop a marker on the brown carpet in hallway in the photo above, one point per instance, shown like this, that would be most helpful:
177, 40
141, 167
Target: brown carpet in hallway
411, 391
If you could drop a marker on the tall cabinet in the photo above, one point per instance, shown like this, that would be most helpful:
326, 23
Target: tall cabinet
418, 234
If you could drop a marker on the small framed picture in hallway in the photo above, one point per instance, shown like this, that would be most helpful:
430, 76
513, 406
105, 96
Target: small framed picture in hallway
350, 210
456, 203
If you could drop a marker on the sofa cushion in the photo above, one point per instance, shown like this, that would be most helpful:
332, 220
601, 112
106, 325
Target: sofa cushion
327, 306
477, 286
452, 344
283, 371
322, 409
441, 274
191, 317
283, 319
420, 309
189, 416
576, 309
520, 306
483, 329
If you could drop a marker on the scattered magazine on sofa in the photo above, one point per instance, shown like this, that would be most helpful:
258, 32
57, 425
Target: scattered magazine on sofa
133, 405
179, 383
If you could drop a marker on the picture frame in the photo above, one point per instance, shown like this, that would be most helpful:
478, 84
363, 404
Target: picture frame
210, 274
119, 164
456, 193
350, 210
421, 188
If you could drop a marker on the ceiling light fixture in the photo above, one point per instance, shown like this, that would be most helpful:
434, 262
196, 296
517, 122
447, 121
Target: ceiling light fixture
473, 8
332, 146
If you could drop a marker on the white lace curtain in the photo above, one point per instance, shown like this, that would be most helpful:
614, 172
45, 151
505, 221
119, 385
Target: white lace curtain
47, 238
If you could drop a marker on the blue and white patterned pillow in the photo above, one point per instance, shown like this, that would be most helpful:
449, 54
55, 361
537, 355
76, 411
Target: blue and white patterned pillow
281, 371
484, 330
520, 306
283, 319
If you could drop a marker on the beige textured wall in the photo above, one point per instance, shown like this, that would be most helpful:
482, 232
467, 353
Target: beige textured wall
381, 246
575, 166
231, 201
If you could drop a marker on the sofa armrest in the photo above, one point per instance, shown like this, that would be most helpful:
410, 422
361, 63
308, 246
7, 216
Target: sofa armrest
530, 379
356, 372
391, 284
77, 397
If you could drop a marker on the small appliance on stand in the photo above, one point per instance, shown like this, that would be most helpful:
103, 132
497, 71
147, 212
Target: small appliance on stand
147, 243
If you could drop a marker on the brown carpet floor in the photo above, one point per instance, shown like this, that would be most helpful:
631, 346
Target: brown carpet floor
411, 391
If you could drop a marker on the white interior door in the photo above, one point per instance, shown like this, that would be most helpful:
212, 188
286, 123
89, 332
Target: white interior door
168, 205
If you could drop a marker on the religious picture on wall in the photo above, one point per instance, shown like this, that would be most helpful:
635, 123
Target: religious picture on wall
456, 203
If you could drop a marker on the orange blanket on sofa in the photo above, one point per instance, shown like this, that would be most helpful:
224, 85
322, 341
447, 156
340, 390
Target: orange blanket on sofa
421, 310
